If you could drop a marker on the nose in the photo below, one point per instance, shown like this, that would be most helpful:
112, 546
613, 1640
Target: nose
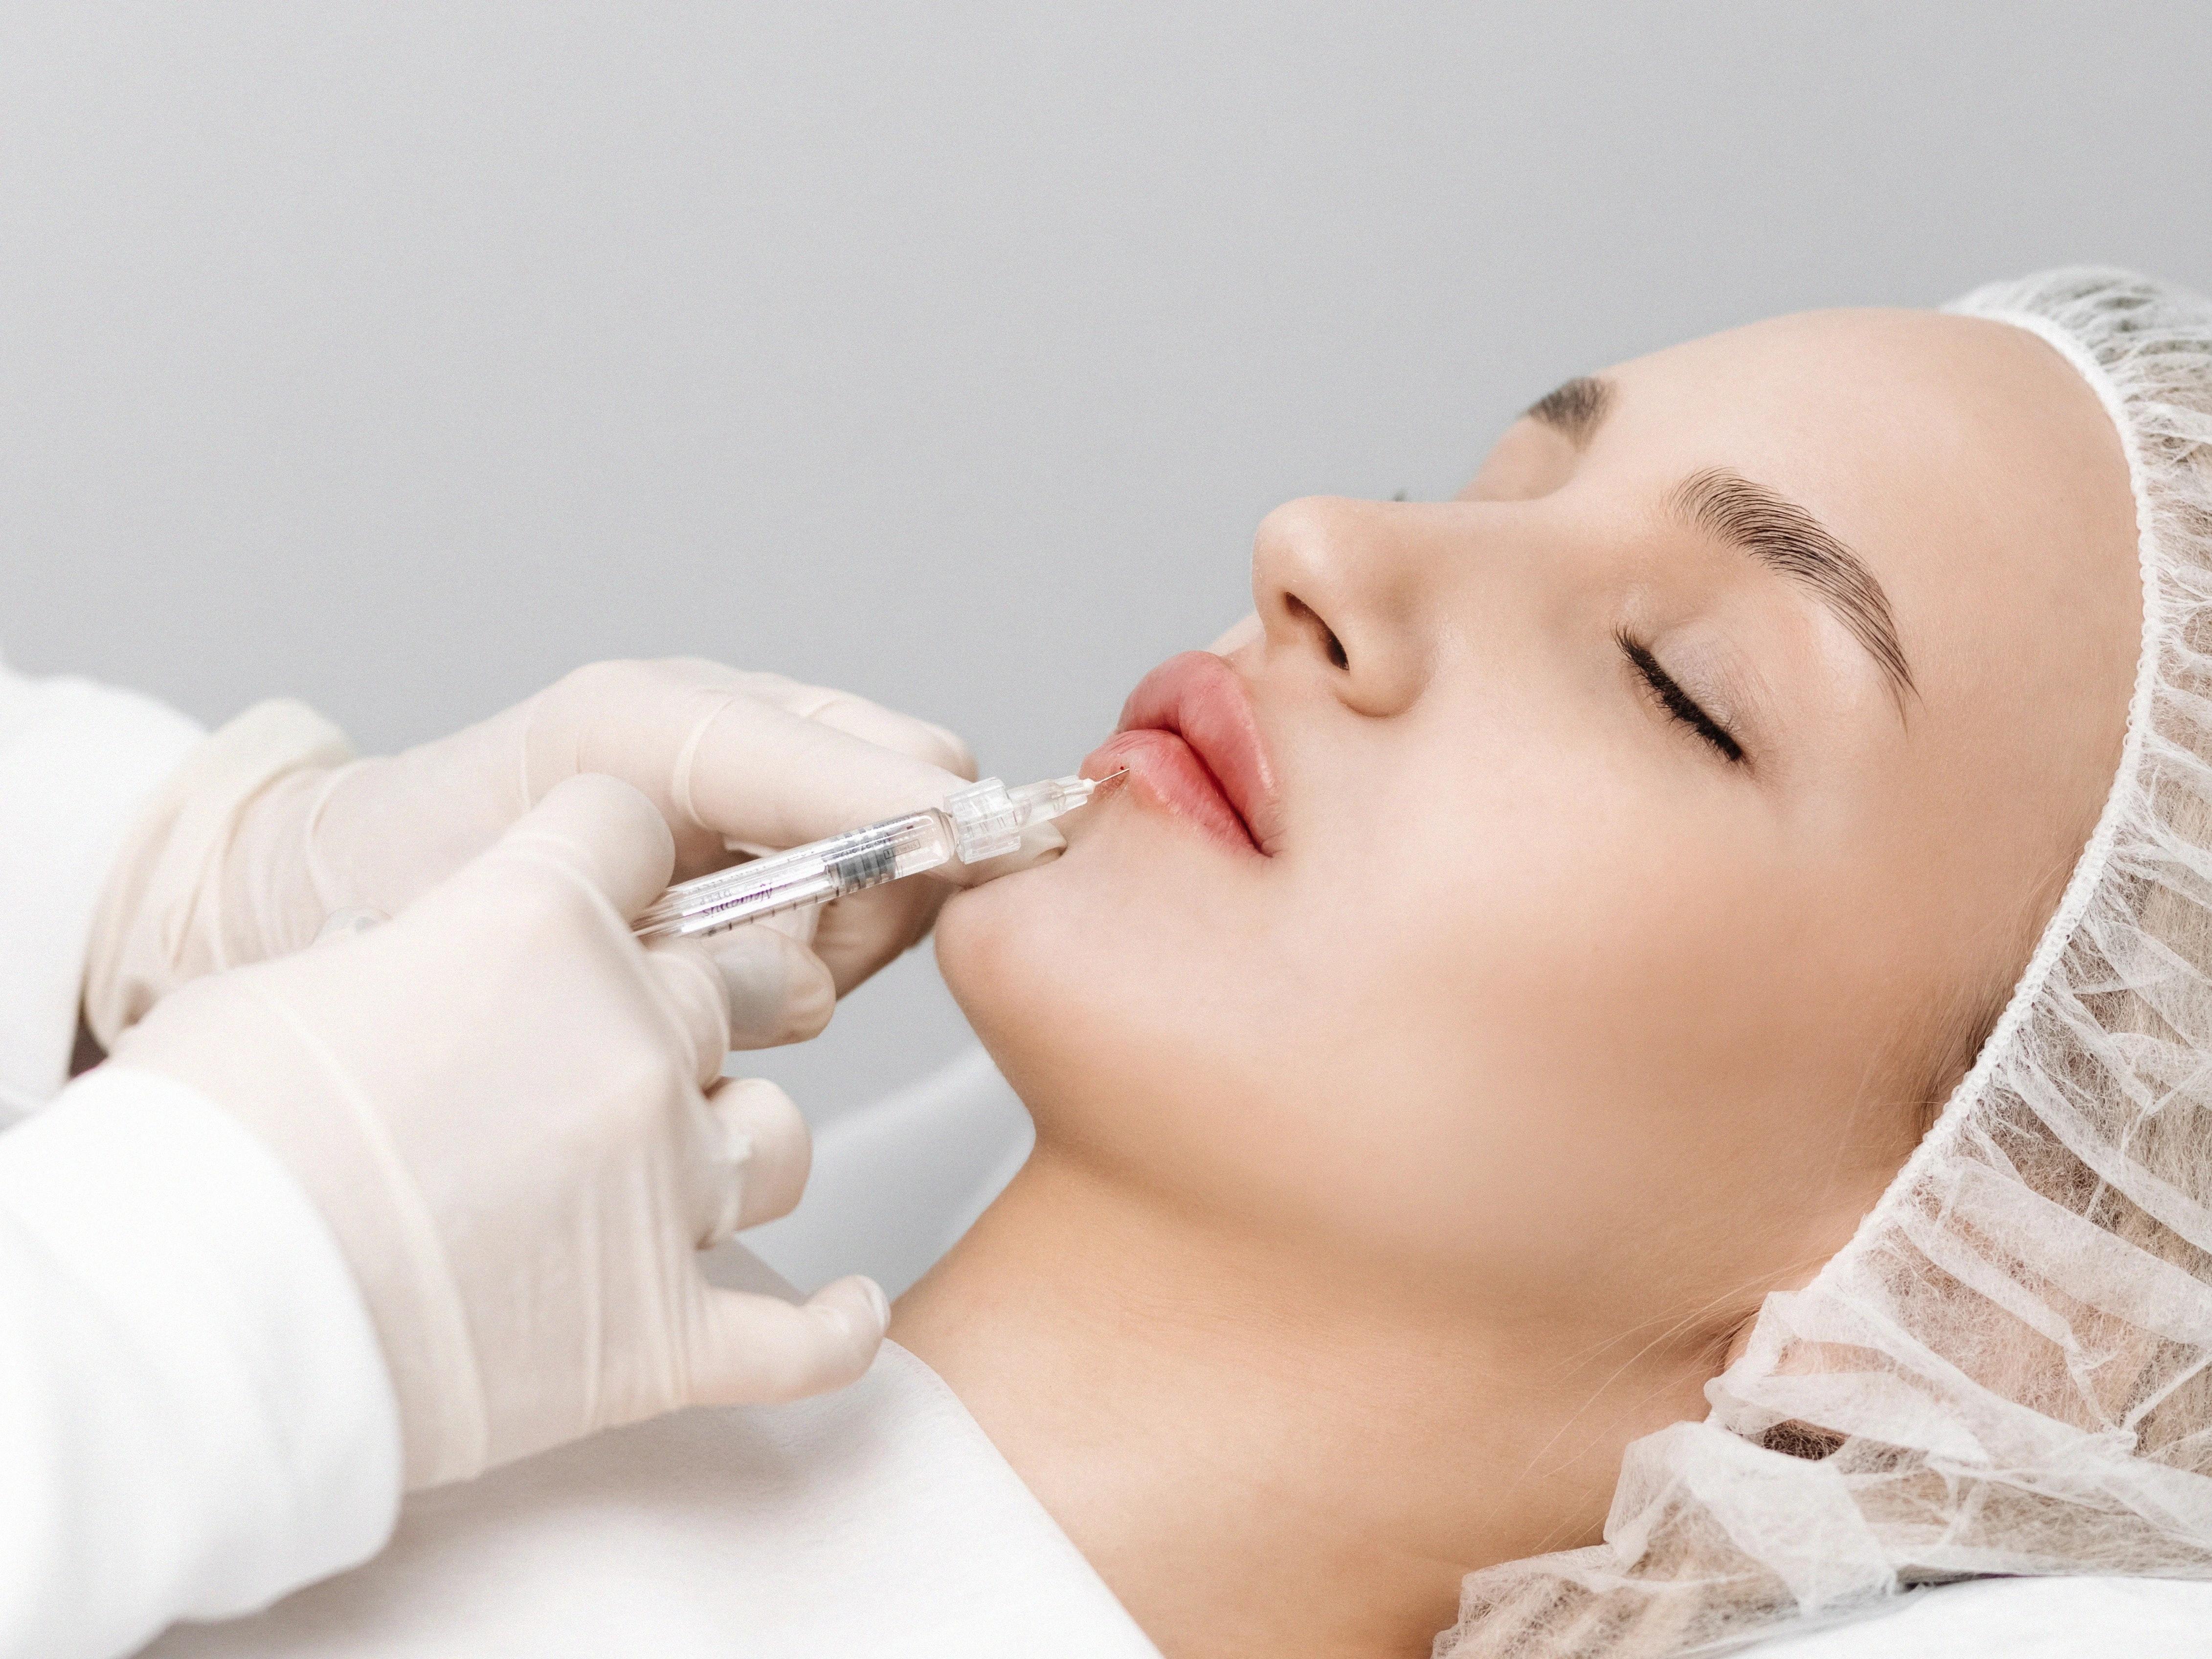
1339, 587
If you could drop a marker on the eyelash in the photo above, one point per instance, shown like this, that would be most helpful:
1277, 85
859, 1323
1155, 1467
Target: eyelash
1676, 701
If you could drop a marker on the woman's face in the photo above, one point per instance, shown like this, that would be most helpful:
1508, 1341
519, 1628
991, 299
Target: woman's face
1568, 897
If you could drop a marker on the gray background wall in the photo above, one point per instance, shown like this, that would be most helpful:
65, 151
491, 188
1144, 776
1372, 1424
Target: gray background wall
401, 356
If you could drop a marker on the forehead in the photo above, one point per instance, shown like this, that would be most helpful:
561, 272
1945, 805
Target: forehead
1917, 398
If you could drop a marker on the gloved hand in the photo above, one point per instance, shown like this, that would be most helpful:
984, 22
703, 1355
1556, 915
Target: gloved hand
268, 830
511, 1114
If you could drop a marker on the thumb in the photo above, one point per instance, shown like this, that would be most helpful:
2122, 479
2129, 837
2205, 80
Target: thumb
752, 1349
601, 829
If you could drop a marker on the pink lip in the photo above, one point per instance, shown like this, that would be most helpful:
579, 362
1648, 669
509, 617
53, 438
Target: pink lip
1192, 745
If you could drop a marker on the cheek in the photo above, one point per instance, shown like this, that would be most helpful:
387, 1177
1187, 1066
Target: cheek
1612, 1063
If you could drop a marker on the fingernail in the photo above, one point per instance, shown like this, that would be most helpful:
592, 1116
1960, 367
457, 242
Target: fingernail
348, 923
776, 1153
769, 1002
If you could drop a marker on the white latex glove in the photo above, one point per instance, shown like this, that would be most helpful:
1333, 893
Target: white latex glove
269, 830
511, 1114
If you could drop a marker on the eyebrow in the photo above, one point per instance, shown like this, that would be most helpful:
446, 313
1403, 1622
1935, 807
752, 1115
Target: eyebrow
1575, 408
1774, 530
1791, 541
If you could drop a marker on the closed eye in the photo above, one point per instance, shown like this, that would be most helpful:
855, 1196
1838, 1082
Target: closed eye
1677, 703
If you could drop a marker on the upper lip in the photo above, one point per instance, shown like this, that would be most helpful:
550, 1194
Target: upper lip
1203, 699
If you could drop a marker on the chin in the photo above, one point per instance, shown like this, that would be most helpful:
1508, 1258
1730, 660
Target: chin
972, 942
1004, 960
1122, 1020
1060, 974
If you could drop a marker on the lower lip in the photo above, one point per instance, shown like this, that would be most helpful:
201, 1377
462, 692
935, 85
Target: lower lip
1167, 771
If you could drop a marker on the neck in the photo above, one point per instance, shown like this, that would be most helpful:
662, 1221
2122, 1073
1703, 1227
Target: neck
1259, 1451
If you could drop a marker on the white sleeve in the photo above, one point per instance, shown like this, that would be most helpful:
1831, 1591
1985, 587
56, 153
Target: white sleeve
76, 761
195, 1415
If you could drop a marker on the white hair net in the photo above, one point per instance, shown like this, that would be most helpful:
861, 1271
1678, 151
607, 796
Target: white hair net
2008, 1368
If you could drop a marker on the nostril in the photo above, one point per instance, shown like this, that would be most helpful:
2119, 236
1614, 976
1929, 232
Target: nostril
1306, 614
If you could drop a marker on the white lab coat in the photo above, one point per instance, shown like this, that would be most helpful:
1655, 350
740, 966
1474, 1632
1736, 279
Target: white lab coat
194, 1414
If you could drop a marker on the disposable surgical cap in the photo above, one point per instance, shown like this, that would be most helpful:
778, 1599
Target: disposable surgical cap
2008, 1368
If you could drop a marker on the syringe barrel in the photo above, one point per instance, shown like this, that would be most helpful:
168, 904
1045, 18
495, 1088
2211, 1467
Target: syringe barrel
813, 874
983, 821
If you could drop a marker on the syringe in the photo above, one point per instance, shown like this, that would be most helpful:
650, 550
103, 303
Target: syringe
983, 821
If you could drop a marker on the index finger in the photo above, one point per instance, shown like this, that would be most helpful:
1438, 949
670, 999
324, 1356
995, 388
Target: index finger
858, 717
761, 775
